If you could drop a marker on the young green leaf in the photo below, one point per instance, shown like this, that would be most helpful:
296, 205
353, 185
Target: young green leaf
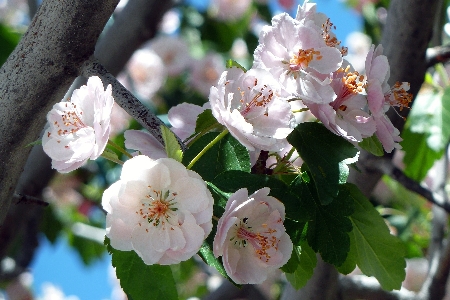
419, 158
208, 256
231, 63
326, 156
375, 251
306, 262
205, 121
373, 145
140, 281
171, 145
328, 229
227, 154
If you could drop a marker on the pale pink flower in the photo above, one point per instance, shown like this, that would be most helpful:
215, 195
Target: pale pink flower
345, 116
79, 129
381, 97
159, 209
251, 237
145, 143
174, 53
206, 72
299, 56
229, 10
252, 107
183, 118
145, 75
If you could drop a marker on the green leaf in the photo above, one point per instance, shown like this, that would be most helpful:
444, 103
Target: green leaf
205, 121
430, 115
327, 232
231, 63
326, 156
375, 251
8, 41
419, 158
51, 225
227, 154
307, 261
171, 145
89, 250
373, 145
208, 256
140, 281
37, 142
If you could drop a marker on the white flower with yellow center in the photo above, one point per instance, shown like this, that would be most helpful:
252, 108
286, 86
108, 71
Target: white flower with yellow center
159, 209
79, 129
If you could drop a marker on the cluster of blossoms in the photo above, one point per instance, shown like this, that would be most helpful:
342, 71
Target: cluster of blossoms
163, 211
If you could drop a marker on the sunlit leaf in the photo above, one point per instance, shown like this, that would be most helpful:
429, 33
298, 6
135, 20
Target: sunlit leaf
227, 154
375, 251
171, 144
306, 262
326, 156
373, 145
140, 281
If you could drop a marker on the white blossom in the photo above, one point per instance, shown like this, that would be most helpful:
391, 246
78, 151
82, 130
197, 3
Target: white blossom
79, 129
159, 209
251, 105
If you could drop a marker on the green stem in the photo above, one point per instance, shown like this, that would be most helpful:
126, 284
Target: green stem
300, 110
212, 143
201, 133
120, 149
110, 158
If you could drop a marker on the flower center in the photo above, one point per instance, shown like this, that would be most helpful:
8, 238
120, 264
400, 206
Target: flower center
302, 58
261, 98
398, 95
157, 208
262, 242
331, 40
352, 83
71, 120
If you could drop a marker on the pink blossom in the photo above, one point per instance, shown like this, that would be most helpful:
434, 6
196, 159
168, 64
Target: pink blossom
173, 52
252, 107
345, 116
79, 129
299, 56
159, 209
146, 74
145, 143
381, 97
206, 72
229, 10
183, 118
251, 237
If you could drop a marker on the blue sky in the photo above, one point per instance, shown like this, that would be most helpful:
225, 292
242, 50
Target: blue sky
61, 265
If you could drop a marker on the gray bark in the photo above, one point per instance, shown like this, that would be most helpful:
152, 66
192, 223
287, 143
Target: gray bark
48, 58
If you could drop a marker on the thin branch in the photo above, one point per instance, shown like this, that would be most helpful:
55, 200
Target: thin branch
385, 166
439, 54
127, 100
368, 288
434, 286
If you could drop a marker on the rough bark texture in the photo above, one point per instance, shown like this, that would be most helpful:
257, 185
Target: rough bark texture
60, 38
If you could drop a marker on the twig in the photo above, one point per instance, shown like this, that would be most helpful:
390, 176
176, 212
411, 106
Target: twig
386, 167
439, 54
29, 199
127, 101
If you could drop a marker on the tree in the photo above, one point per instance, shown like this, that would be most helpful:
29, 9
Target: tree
54, 52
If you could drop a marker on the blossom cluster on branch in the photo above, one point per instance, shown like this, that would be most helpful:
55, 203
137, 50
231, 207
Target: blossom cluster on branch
163, 204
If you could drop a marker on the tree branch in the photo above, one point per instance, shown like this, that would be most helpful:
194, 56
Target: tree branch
60, 38
385, 166
438, 54
127, 100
